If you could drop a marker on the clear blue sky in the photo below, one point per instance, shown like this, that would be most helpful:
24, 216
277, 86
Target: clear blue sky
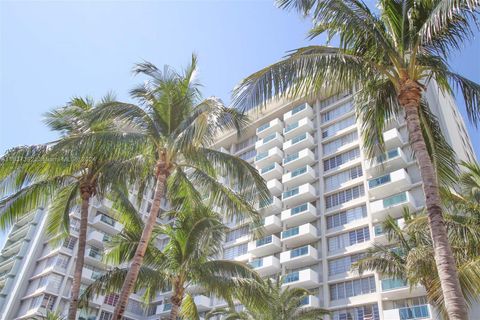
51, 51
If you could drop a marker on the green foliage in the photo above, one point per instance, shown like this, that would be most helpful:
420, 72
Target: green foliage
279, 304
188, 259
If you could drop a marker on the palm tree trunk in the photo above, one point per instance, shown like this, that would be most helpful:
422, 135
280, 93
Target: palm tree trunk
176, 299
137, 261
86, 193
174, 311
409, 99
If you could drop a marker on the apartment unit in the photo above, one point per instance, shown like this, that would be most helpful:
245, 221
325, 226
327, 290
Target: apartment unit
328, 202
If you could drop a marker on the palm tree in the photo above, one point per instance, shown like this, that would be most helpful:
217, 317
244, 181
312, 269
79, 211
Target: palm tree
59, 176
391, 56
174, 128
409, 256
187, 260
281, 304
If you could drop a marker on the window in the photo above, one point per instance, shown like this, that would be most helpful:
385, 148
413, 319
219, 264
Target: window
104, 315
367, 312
344, 196
334, 128
135, 307
62, 261
337, 112
332, 146
111, 299
70, 242
48, 301
338, 242
55, 280
359, 236
248, 154
336, 180
75, 225
352, 288
343, 264
342, 158
237, 233
344, 217
232, 252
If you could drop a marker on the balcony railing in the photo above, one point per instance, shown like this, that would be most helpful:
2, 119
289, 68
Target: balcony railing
257, 263
263, 127
270, 137
268, 168
264, 241
299, 252
298, 171
291, 157
290, 193
415, 312
394, 200
261, 155
391, 284
387, 156
373, 183
291, 277
290, 232
108, 220
299, 108
299, 138
299, 209
291, 126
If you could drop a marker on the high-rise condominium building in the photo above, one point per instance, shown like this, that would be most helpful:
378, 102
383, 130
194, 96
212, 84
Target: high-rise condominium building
328, 202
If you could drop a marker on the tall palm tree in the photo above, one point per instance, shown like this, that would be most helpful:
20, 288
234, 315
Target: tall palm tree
281, 304
391, 56
58, 176
174, 130
408, 257
188, 259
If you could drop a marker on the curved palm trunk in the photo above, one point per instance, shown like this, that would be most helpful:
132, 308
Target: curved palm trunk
137, 261
409, 99
86, 193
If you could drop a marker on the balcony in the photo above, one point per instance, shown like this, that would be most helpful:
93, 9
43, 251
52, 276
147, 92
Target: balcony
408, 313
271, 171
307, 278
266, 157
299, 235
94, 257
297, 159
392, 284
297, 113
266, 266
272, 140
97, 301
393, 139
164, 309
106, 223
202, 302
393, 159
265, 246
88, 275
270, 206
300, 214
276, 125
298, 176
275, 187
297, 143
295, 128
272, 224
389, 183
97, 238
299, 257
304, 193
392, 205
310, 302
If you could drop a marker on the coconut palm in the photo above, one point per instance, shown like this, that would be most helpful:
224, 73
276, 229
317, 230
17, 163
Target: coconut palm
187, 260
409, 256
58, 176
281, 304
173, 130
391, 55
